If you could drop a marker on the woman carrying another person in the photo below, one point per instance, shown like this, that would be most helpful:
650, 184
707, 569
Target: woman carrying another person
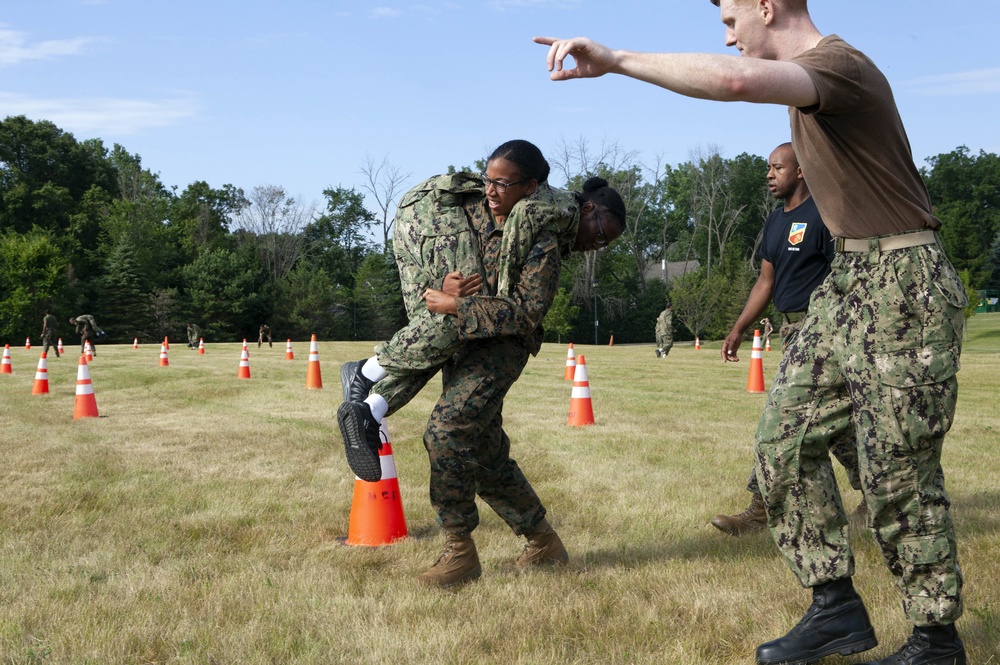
515, 232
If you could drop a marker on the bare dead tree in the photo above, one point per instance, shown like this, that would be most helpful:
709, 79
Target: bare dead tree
713, 201
384, 181
275, 221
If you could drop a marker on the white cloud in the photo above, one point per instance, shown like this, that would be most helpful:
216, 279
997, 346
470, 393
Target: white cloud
15, 48
974, 82
100, 116
386, 12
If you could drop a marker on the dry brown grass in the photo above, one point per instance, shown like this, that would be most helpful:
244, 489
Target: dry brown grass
200, 519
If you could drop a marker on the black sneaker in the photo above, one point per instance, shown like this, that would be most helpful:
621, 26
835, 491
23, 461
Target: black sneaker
355, 384
361, 440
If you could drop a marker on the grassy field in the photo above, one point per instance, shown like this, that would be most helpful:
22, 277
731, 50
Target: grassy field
201, 518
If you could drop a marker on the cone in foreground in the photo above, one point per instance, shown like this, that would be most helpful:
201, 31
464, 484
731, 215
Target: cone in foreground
86, 403
697, 343
570, 363
201, 346
244, 370
755, 382
377, 509
314, 378
581, 409
5, 366
41, 386
289, 355
164, 361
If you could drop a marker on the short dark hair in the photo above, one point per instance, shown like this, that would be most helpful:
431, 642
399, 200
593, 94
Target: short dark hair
605, 197
526, 157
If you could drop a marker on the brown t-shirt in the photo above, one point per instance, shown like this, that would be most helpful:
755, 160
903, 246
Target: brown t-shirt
853, 149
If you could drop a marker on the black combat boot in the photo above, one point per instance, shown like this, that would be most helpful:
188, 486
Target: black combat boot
355, 384
930, 645
836, 622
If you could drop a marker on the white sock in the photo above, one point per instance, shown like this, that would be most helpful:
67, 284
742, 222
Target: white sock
378, 405
372, 370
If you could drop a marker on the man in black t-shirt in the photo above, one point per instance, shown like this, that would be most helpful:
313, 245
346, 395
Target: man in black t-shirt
795, 253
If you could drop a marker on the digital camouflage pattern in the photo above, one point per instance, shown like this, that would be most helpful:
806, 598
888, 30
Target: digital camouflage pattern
881, 344
469, 451
441, 226
665, 331
842, 445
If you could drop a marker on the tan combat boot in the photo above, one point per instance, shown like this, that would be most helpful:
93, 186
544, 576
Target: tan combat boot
754, 518
457, 564
543, 547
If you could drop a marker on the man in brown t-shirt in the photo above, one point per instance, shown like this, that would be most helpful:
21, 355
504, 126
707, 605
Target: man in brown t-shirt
887, 322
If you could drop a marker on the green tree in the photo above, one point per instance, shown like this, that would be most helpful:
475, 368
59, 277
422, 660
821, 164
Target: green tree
379, 297
32, 278
223, 286
561, 314
965, 191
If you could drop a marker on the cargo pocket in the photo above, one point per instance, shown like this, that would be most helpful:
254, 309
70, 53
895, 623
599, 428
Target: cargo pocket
919, 391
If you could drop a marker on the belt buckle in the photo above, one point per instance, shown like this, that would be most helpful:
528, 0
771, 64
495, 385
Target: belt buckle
838, 244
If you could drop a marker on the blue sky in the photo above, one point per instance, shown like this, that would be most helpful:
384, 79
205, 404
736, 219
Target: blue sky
300, 93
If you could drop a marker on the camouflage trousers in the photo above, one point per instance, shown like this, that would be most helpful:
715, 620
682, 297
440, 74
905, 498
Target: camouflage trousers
47, 341
879, 350
665, 343
468, 449
842, 446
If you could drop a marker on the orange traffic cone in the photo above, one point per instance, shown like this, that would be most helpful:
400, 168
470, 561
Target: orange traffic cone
570, 363
377, 509
201, 346
41, 386
244, 370
288, 351
166, 343
59, 346
767, 344
88, 351
755, 382
86, 404
135, 343
697, 343
611, 342
581, 410
245, 345
314, 379
27, 344
5, 366
164, 362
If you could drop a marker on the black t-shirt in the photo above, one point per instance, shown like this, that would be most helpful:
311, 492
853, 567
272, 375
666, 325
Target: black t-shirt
800, 248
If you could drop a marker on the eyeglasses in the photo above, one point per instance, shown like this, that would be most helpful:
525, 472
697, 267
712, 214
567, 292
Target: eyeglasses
501, 187
601, 241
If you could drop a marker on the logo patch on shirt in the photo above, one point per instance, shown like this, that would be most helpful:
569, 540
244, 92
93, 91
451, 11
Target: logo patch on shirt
797, 233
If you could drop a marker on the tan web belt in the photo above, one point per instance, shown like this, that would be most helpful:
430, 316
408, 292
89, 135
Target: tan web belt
886, 243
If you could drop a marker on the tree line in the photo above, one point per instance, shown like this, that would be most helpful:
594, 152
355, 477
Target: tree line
87, 229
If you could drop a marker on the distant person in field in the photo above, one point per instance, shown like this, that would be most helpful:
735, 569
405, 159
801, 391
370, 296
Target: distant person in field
88, 330
507, 230
49, 323
795, 254
880, 346
194, 335
264, 334
665, 331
